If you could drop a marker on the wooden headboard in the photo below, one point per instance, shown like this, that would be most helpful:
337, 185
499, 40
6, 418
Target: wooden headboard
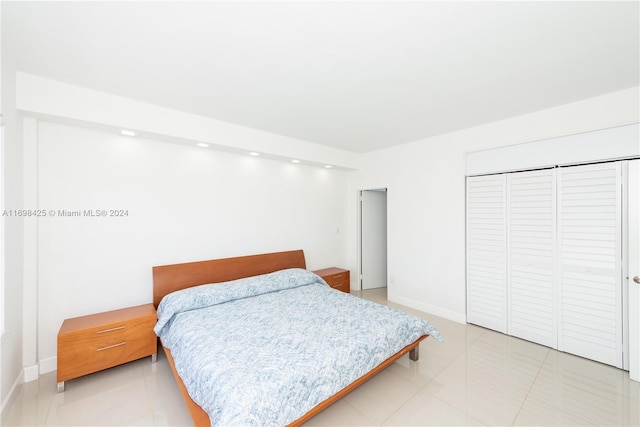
170, 278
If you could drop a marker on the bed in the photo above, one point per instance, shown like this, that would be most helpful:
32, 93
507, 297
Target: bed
259, 340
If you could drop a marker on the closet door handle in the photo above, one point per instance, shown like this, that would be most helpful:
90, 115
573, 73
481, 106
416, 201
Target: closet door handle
637, 279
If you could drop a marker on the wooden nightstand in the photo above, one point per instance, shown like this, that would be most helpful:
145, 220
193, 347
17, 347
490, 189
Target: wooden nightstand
337, 278
92, 343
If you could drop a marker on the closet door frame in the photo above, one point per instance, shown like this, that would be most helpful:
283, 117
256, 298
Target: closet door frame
631, 268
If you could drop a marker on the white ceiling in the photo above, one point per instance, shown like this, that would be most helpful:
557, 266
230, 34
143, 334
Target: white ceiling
355, 75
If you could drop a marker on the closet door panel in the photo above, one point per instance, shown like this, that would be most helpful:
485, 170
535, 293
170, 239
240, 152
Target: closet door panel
589, 246
486, 252
531, 208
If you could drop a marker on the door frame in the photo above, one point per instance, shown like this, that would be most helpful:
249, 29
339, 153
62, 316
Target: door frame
359, 231
631, 245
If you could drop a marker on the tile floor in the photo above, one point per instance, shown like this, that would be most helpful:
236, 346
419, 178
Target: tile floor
477, 377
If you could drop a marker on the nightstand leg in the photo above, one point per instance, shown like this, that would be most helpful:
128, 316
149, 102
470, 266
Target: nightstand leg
154, 357
61, 387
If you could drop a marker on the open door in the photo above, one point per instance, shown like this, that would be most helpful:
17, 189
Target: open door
373, 238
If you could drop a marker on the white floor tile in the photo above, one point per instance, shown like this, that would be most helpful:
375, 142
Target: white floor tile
124, 404
420, 372
425, 409
381, 396
581, 391
338, 415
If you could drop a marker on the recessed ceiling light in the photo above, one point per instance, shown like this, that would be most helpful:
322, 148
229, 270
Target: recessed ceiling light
203, 145
295, 161
253, 153
328, 166
128, 132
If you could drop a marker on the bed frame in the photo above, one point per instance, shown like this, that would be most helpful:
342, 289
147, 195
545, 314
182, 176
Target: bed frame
169, 278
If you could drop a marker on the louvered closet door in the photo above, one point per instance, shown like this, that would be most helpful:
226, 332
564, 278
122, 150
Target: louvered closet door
531, 241
486, 252
589, 221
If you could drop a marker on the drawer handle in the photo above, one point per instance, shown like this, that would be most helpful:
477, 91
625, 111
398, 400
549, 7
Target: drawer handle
111, 346
337, 276
111, 330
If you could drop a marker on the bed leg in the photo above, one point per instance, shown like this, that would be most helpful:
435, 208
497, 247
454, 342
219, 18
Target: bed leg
154, 357
414, 354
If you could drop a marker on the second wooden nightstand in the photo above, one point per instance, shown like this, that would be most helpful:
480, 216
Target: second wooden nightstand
92, 343
337, 278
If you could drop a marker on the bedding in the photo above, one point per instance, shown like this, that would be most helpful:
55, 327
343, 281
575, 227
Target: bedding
265, 350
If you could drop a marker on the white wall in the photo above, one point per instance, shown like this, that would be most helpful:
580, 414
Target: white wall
11, 346
184, 204
426, 195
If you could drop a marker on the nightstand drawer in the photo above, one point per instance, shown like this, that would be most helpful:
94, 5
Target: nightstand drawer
337, 278
92, 343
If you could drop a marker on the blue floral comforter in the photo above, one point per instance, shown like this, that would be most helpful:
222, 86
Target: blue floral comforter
264, 350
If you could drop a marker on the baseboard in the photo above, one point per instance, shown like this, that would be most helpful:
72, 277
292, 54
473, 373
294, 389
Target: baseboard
8, 402
427, 308
48, 365
30, 373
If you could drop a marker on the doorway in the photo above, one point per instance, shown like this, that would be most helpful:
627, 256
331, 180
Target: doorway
373, 238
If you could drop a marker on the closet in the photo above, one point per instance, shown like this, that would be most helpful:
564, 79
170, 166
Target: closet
546, 259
